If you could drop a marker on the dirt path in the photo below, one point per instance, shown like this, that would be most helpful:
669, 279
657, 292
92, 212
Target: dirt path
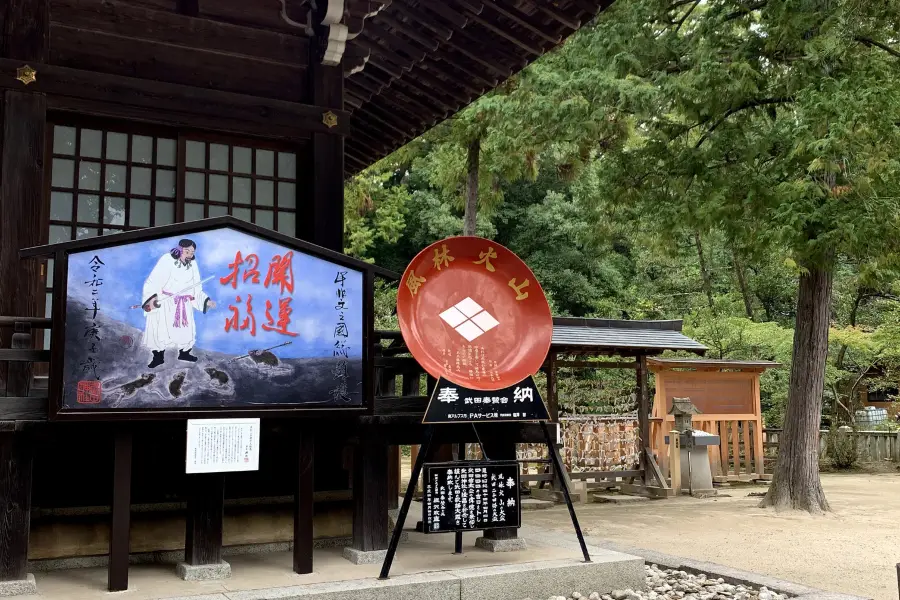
854, 550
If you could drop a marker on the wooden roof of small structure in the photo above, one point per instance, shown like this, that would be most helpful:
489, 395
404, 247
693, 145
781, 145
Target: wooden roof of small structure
617, 336
712, 364
420, 61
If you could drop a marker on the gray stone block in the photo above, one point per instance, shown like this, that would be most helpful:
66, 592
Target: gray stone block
818, 595
513, 545
188, 572
552, 578
421, 586
364, 557
19, 587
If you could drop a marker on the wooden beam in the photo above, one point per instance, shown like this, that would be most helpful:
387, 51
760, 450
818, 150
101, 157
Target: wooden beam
205, 517
442, 9
22, 408
120, 518
524, 44
155, 101
590, 364
24, 29
303, 502
129, 57
520, 20
140, 23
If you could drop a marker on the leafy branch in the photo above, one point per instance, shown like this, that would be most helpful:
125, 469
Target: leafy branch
745, 106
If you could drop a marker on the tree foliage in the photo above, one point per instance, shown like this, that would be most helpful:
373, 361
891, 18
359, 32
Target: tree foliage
689, 159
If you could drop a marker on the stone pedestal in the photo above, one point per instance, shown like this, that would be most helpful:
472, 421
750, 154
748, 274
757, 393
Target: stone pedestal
18, 587
221, 570
365, 557
510, 545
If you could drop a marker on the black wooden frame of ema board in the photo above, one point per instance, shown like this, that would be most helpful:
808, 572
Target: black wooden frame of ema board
452, 403
446, 524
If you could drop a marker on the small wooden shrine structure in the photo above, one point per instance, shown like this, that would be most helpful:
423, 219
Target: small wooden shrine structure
576, 339
726, 394
117, 115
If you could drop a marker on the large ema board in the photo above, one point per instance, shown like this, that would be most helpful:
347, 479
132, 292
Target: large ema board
209, 316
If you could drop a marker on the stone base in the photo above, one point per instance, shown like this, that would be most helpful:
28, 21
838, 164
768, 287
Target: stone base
363, 557
19, 587
513, 545
188, 572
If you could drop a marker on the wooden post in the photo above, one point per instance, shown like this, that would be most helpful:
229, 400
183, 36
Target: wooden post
370, 491
675, 461
24, 31
552, 397
16, 458
120, 522
643, 415
205, 516
325, 226
303, 504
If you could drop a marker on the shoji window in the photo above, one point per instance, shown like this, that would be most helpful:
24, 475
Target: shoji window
254, 184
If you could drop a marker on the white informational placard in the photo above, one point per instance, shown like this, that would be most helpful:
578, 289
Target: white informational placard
222, 445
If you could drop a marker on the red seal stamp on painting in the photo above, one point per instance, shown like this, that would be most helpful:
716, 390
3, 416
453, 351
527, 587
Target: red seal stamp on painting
472, 312
89, 392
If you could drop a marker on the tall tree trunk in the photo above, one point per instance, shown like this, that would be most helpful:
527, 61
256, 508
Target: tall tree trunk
796, 483
742, 283
472, 187
704, 270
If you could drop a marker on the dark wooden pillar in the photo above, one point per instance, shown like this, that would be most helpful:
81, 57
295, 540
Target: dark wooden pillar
643, 399
324, 223
205, 515
499, 444
370, 491
120, 521
16, 457
303, 504
24, 27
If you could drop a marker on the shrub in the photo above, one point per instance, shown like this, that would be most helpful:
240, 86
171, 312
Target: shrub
842, 447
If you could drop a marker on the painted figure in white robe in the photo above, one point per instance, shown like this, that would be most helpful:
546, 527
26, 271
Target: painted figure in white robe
172, 293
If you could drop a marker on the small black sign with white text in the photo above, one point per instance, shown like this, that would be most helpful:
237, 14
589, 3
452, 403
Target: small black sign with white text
451, 403
471, 495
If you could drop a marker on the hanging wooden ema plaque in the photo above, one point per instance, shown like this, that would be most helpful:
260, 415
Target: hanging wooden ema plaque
476, 319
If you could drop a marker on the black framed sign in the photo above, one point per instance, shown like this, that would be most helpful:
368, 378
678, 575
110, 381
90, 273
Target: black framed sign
216, 316
471, 495
451, 403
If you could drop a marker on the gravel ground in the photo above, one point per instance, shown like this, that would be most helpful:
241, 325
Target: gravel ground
669, 584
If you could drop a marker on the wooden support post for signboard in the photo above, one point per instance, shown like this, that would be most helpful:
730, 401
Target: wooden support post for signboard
120, 522
303, 504
370, 492
205, 516
407, 500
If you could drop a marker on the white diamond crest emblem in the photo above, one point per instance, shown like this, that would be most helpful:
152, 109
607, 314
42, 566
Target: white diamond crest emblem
469, 319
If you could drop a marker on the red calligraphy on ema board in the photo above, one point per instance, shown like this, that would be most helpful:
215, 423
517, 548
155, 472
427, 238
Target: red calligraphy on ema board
280, 272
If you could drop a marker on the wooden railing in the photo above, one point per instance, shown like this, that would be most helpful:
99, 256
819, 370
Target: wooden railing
872, 445
739, 453
24, 399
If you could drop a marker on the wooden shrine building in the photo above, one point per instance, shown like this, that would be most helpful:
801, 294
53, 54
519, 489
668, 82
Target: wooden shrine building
116, 115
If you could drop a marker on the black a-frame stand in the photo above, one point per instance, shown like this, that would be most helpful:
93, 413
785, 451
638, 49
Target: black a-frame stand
522, 404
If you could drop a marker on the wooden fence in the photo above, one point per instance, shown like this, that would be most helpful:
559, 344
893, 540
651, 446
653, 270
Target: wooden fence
872, 445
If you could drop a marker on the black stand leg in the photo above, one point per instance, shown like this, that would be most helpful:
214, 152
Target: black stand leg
557, 464
457, 543
424, 451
